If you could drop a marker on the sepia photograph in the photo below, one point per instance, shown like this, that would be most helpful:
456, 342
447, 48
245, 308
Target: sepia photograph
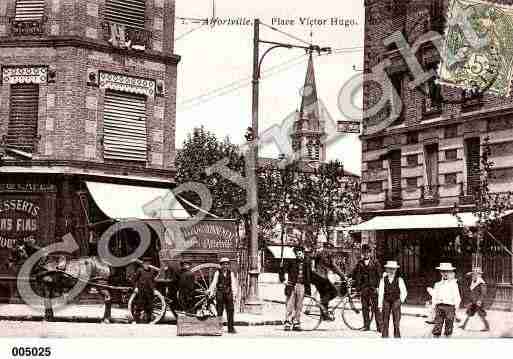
212, 171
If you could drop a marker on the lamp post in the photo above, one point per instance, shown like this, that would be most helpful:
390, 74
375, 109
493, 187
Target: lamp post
253, 303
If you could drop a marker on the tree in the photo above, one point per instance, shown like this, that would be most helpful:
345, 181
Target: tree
201, 150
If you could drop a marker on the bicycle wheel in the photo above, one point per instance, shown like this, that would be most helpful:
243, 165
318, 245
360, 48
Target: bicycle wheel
311, 314
352, 312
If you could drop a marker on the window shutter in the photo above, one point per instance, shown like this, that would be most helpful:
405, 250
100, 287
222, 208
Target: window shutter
125, 136
395, 168
22, 130
473, 164
126, 12
29, 10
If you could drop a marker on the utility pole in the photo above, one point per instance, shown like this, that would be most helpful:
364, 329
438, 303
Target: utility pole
253, 302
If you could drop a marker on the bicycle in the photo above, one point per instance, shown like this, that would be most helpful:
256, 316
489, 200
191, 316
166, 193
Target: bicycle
347, 305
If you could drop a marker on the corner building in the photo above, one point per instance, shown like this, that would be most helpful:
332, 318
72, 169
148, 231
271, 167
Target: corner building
427, 161
87, 118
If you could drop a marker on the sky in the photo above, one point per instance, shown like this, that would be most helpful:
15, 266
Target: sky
214, 75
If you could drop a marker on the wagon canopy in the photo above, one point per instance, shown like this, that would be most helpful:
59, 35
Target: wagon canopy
122, 202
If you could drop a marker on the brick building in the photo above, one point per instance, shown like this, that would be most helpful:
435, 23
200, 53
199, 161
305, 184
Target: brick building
415, 170
87, 116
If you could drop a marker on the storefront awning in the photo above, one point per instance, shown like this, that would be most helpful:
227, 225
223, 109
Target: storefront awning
416, 221
123, 202
288, 252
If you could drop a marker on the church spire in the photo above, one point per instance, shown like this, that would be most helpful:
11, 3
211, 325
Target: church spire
309, 102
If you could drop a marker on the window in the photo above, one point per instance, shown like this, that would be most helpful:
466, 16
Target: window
433, 97
437, 16
473, 157
125, 136
412, 183
397, 108
29, 10
501, 175
317, 152
412, 138
309, 149
376, 165
431, 165
375, 187
451, 179
130, 13
412, 160
451, 131
23, 115
451, 155
395, 173
374, 144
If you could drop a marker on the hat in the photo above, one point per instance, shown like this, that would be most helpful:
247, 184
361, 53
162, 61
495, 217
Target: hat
445, 267
392, 264
224, 260
477, 270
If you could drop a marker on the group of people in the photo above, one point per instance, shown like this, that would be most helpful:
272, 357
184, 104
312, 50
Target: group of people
382, 293
182, 289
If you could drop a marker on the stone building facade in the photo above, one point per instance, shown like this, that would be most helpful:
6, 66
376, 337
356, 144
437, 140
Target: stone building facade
416, 169
87, 99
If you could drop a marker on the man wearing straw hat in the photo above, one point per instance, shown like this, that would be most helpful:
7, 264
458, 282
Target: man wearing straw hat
477, 296
391, 293
446, 299
224, 287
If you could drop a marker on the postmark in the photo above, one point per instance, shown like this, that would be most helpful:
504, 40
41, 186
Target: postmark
481, 58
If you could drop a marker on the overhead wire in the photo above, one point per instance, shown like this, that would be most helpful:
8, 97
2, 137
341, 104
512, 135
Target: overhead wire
285, 33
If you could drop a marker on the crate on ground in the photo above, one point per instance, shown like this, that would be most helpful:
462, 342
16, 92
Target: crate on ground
187, 325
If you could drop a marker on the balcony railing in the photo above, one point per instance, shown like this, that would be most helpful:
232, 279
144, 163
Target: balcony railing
429, 195
137, 39
27, 27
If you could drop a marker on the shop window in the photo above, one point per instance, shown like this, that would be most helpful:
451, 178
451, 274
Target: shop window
375, 187
125, 136
29, 10
451, 131
23, 115
473, 156
451, 179
376, 165
412, 183
451, 155
130, 13
412, 160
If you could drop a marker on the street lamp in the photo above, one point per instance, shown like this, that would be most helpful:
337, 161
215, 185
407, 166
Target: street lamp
253, 302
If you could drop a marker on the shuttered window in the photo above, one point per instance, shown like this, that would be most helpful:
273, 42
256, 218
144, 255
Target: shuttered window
29, 10
124, 126
473, 153
22, 131
126, 12
395, 169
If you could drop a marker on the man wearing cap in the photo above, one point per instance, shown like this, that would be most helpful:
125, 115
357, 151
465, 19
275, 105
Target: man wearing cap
391, 293
446, 299
298, 284
224, 287
477, 296
366, 275
144, 281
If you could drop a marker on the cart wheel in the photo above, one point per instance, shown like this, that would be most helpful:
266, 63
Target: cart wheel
203, 276
159, 307
352, 312
311, 316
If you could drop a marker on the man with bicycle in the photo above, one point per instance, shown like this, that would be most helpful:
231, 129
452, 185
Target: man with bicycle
324, 262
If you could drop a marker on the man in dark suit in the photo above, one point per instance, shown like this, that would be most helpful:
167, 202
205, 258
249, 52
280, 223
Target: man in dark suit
186, 287
366, 275
298, 284
144, 282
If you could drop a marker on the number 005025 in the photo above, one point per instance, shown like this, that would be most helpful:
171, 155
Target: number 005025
31, 352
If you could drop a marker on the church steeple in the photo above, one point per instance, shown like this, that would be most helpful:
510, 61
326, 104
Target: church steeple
309, 129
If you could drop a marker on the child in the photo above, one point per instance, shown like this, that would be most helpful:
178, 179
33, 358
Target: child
446, 298
391, 293
477, 296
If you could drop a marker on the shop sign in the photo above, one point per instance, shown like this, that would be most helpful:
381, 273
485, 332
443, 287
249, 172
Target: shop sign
19, 220
27, 187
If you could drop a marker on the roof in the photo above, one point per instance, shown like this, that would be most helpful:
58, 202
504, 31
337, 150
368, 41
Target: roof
309, 101
303, 166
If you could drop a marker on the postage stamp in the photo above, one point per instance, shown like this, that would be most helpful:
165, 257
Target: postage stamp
478, 47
